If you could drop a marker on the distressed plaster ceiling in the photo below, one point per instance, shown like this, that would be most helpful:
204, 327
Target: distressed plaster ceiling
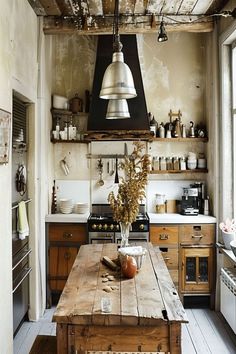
136, 16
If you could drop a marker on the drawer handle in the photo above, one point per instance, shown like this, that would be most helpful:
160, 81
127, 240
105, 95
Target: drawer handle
163, 237
197, 236
67, 255
67, 235
166, 258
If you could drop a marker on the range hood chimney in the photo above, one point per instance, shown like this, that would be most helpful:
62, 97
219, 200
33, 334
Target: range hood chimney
138, 120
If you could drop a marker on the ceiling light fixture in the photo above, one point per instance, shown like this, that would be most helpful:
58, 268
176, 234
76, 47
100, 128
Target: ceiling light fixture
117, 81
162, 35
117, 109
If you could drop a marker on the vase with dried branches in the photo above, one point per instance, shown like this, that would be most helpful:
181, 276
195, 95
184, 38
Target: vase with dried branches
131, 190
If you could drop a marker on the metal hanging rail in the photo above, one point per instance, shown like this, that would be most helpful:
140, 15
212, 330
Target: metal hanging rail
17, 205
106, 156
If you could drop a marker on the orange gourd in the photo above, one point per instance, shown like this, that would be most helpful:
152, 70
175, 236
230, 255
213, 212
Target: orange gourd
129, 267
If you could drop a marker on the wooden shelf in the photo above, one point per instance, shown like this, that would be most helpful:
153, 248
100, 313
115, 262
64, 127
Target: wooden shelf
177, 140
84, 141
198, 170
64, 112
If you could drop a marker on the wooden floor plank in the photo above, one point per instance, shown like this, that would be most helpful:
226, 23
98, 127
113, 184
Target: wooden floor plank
215, 343
187, 344
222, 330
195, 332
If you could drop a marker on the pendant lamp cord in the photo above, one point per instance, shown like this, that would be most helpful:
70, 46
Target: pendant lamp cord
117, 45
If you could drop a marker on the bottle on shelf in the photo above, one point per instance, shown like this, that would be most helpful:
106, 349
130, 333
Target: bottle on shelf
161, 131
153, 126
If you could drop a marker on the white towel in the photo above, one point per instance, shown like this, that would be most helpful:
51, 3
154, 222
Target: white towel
22, 222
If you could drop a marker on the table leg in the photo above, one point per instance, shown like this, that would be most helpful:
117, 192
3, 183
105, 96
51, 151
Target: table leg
175, 338
62, 339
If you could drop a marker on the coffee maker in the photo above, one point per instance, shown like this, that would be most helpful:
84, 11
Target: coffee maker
189, 202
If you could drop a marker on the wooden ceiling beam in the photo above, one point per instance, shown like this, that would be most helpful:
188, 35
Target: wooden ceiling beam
37, 7
66, 7
142, 24
51, 7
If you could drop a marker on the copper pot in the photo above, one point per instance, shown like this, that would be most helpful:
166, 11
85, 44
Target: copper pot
76, 104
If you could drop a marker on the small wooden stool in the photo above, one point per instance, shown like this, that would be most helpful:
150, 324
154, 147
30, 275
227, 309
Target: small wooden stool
44, 344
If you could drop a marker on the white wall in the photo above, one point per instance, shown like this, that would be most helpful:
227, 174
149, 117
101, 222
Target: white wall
18, 71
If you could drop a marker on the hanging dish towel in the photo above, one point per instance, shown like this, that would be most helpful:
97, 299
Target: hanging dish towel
22, 224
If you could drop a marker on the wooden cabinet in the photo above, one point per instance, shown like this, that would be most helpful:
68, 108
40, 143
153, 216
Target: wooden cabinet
63, 243
167, 238
197, 260
189, 253
196, 270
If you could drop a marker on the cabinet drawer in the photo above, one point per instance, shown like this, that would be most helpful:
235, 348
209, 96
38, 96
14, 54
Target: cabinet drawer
163, 235
170, 256
68, 232
197, 234
174, 273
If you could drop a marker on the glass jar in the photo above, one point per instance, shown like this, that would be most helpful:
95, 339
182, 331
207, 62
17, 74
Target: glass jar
155, 163
163, 163
176, 163
169, 163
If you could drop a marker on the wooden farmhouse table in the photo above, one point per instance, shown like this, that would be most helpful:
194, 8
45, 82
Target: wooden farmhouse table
146, 312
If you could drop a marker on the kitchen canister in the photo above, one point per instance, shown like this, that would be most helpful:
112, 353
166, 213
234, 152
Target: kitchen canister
76, 104
192, 161
160, 203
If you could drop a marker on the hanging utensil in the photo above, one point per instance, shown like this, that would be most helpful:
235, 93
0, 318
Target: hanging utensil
116, 175
100, 182
112, 168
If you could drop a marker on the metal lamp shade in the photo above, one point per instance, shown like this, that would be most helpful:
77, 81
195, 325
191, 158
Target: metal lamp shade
117, 83
117, 109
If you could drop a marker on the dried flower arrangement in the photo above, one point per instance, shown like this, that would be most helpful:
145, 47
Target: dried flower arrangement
131, 189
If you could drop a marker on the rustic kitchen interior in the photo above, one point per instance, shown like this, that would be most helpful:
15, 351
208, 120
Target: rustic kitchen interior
62, 149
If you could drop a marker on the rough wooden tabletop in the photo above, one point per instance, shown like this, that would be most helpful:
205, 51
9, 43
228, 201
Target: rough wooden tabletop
146, 300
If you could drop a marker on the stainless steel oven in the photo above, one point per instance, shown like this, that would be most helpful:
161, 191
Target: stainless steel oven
101, 237
103, 229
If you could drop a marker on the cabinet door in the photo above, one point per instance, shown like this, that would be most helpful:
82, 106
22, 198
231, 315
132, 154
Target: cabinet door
164, 235
196, 270
61, 260
203, 234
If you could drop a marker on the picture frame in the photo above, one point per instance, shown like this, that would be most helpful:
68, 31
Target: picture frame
5, 135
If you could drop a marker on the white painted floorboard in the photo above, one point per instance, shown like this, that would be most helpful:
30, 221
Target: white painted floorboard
207, 332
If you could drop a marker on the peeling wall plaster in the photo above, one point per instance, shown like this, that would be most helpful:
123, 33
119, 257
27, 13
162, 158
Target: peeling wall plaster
74, 62
173, 76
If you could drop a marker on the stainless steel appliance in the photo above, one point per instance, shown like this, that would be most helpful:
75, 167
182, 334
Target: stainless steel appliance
20, 273
189, 202
103, 229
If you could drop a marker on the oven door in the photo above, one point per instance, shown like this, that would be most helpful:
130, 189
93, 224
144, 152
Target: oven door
135, 238
101, 237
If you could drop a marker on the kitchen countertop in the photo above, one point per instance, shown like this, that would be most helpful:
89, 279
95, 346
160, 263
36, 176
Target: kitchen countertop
154, 218
180, 219
80, 218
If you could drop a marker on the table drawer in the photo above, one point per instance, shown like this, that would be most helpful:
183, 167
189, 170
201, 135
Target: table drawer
170, 256
164, 235
67, 233
197, 234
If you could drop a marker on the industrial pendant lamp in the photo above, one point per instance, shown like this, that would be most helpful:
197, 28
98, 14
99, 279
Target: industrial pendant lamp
117, 109
117, 81
162, 36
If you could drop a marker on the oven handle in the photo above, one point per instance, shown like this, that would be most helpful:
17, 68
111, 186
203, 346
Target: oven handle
28, 270
22, 258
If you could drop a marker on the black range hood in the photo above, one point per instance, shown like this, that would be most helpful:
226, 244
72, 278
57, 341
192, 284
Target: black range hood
137, 106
